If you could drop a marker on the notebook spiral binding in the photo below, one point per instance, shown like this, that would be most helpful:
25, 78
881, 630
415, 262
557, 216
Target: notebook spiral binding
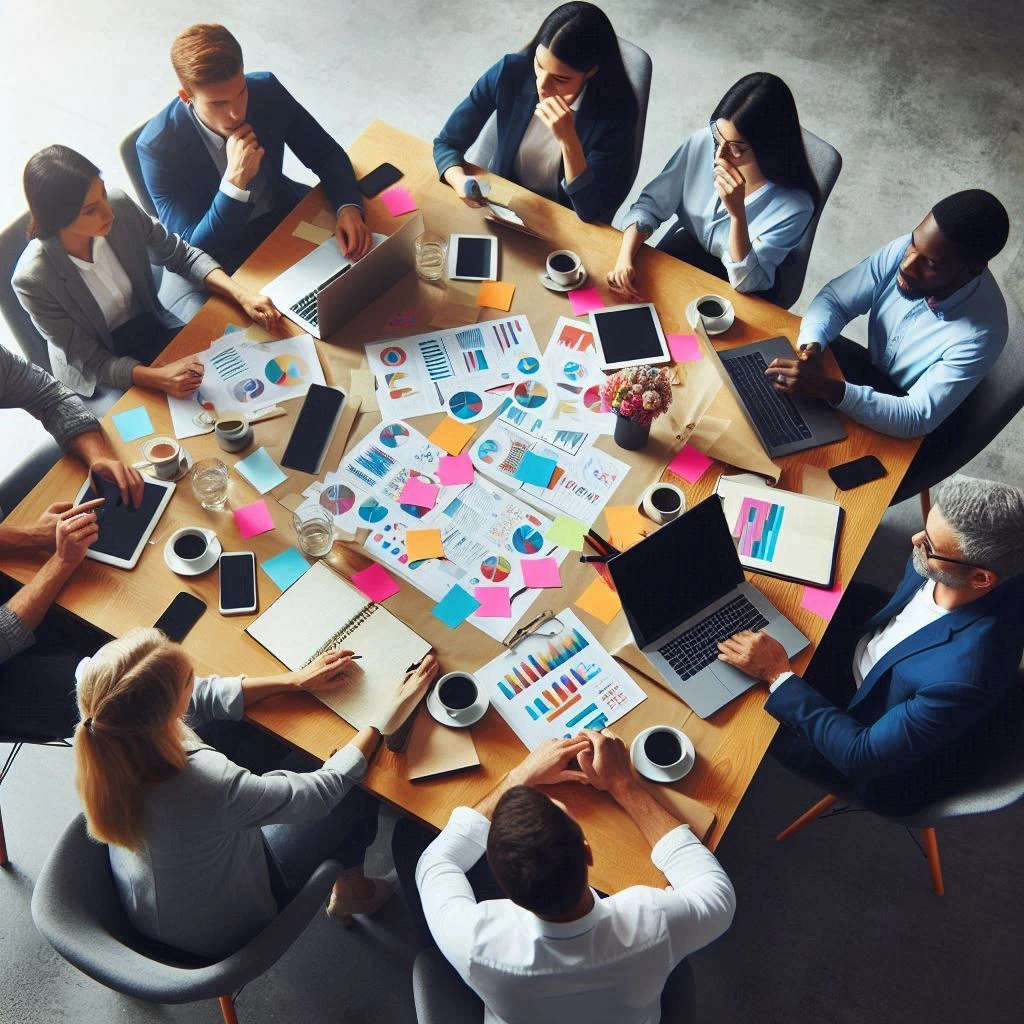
346, 631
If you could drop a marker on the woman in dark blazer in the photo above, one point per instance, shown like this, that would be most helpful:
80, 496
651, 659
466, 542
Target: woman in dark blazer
565, 116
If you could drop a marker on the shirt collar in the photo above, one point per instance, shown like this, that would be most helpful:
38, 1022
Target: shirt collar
940, 307
570, 929
99, 245
211, 137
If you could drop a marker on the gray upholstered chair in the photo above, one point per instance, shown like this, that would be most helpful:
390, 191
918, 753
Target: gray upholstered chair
130, 159
76, 907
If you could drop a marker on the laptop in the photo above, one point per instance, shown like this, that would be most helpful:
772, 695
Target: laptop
325, 290
683, 591
783, 423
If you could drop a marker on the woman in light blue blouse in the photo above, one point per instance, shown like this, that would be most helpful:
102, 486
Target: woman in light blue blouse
742, 191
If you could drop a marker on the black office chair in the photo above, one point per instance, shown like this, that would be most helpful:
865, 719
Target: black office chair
130, 159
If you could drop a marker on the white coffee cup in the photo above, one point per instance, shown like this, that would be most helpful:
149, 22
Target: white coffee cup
663, 747
164, 455
717, 312
191, 544
663, 502
457, 692
564, 266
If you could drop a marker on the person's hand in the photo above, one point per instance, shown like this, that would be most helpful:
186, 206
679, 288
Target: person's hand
178, 379
757, 655
549, 763
325, 673
463, 184
622, 279
407, 694
244, 154
606, 763
128, 479
804, 376
44, 533
556, 115
76, 529
261, 310
731, 187
354, 238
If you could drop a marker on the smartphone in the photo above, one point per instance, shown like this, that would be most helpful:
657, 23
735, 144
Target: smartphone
379, 179
181, 615
237, 570
314, 429
853, 474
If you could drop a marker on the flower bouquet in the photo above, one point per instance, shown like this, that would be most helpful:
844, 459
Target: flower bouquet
637, 394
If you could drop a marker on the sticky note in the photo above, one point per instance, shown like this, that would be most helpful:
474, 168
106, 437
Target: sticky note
362, 384
399, 200
822, 602
496, 294
535, 469
456, 607
133, 423
566, 532
312, 232
376, 583
325, 219
495, 603
690, 464
284, 569
261, 470
626, 525
420, 544
684, 348
455, 469
451, 435
419, 493
600, 600
253, 519
541, 572
583, 300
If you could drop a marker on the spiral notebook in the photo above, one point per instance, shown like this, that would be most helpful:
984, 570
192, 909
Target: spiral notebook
321, 610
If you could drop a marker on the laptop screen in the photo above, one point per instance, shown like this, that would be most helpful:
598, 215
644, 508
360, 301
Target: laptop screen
680, 569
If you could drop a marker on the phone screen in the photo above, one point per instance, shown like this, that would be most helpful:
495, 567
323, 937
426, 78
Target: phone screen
379, 179
238, 581
181, 615
313, 429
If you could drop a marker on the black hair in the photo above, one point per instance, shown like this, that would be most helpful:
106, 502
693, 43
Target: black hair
56, 181
763, 111
975, 222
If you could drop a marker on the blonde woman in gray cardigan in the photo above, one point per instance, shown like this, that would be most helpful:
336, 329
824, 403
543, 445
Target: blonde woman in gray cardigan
85, 280
203, 852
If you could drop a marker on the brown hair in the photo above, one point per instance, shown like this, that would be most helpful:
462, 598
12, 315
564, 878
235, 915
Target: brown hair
56, 182
204, 55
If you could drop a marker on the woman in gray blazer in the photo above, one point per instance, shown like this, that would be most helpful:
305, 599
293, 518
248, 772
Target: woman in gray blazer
85, 280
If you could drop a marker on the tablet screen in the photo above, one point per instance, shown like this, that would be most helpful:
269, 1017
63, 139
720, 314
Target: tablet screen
474, 257
628, 335
121, 526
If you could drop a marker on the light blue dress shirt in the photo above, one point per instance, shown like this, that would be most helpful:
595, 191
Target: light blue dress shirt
935, 352
776, 216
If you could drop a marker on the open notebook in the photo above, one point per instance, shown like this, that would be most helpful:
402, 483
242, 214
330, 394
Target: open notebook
321, 610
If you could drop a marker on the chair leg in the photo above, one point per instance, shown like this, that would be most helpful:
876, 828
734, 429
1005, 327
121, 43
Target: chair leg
926, 504
3, 845
807, 817
227, 1009
931, 849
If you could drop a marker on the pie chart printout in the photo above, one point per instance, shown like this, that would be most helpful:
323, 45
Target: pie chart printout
287, 371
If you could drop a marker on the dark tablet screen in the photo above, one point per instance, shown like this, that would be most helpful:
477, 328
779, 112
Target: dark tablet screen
121, 526
627, 335
474, 257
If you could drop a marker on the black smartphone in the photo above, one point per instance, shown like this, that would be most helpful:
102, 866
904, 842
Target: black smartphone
379, 179
853, 474
181, 615
237, 583
313, 429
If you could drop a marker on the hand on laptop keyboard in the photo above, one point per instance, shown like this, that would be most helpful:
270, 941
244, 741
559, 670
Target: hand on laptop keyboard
805, 376
758, 655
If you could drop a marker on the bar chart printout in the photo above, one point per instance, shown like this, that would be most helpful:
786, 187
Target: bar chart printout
555, 684
757, 528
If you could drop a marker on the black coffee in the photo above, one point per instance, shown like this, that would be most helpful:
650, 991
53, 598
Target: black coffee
189, 546
230, 426
458, 692
663, 748
563, 264
665, 500
710, 307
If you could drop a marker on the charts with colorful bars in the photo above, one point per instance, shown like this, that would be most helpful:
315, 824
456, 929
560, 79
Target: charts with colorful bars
573, 367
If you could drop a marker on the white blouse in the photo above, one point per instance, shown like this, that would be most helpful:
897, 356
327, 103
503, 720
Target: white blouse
108, 282
538, 163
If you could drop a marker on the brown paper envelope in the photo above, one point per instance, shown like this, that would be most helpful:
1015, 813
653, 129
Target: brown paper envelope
312, 232
684, 808
434, 749
362, 384
816, 483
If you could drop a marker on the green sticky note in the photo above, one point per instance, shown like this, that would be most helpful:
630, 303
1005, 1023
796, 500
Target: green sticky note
566, 532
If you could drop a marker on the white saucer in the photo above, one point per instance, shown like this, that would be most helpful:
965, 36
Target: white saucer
655, 772
463, 719
692, 317
554, 286
186, 465
209, 560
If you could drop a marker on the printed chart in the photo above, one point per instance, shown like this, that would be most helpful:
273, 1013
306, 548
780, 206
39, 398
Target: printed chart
572, 365
757, 528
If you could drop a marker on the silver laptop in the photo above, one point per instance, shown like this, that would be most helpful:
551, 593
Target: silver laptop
683, 591
325, 290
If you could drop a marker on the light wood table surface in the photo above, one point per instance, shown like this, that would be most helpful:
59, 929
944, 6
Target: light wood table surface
729, 745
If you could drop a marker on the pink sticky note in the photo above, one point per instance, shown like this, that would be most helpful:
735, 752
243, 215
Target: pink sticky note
690, 464
583, 300
455, 469
684, 348
417, 492
399, 200
376, 583
822, 602
541, 572
253, 519
495, 603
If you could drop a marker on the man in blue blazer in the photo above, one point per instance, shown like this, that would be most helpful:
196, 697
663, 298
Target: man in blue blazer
902, 711
212, 159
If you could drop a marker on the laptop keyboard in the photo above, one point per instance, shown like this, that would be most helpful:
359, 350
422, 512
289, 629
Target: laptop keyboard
306, 307
695, 649
774, 414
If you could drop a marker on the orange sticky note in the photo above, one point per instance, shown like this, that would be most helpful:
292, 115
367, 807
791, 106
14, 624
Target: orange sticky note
420, 544
496, 294
626, 525
451, 435
600, 601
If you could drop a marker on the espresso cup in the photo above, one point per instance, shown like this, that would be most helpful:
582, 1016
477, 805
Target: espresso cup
190, 545
662, 748
232, 431
457, 692
564, 266
715, 311
663, 502
164, 455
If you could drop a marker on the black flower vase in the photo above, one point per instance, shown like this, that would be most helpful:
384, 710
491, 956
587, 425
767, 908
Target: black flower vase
629, 434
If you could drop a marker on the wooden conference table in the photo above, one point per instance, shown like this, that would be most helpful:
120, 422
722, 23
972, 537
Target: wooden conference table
729, 745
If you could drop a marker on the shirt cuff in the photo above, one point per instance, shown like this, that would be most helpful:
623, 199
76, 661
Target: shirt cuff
581, 181
233, 191
811, 334
345, 206
645, 224
748, 261
669, 843
778, 682
348, 761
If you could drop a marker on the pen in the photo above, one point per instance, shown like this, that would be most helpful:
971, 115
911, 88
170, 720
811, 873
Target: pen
593, 558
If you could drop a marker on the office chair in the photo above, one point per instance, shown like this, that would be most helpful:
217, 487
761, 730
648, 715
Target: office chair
76, 907
130, 159
8, 764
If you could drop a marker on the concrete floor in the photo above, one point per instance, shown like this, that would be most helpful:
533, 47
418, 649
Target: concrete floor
922, 100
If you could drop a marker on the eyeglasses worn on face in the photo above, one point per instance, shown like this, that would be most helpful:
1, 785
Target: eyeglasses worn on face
732, 149
929, 550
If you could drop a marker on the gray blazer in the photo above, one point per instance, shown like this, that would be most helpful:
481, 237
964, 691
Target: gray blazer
64, 311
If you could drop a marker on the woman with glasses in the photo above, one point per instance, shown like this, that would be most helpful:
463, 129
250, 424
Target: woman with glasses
741, 188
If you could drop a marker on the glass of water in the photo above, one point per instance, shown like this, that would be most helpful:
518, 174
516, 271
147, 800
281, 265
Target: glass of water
210, 483
314, 527
431, 256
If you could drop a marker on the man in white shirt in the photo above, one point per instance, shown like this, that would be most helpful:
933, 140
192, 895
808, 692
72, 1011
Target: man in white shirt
554, 950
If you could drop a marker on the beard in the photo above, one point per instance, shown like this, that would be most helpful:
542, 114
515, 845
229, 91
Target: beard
944, 576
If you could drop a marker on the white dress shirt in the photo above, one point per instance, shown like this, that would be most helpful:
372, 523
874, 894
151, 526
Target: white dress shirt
108, 282
608, 966
538, 163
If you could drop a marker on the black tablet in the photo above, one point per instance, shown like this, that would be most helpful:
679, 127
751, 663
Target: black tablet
124, 530
628, 336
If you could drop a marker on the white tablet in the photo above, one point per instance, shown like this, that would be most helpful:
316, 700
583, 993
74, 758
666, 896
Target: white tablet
473, 258
124, 530
629, 336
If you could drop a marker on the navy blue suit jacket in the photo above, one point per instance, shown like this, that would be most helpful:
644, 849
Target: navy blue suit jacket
185, 185
510, 88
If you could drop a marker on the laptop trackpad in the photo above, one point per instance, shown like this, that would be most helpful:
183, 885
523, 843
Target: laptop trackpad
732, 678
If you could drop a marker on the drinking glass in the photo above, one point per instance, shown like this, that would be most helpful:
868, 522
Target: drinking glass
431, 256
210, 483
314, 527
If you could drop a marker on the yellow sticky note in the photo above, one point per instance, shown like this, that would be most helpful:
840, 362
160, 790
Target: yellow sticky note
600, 601
420, 544
626, 525
451, 435
496, 294
312, 233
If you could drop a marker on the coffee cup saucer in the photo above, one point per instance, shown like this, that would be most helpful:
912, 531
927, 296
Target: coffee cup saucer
692, 316
185, 465
656, 772
461, 719
204, 564
554, 286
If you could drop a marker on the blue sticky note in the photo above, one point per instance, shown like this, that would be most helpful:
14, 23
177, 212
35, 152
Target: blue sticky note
233, 328
261, 470
284, 569
133, 423
535, 469
456, 606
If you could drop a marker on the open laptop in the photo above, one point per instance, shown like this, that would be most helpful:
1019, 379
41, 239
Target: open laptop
783, 423
324, 290
683, 591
